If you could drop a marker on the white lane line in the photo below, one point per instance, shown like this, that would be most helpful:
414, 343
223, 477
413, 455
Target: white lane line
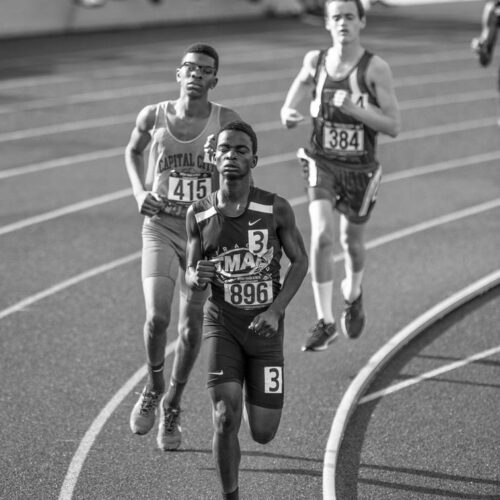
366, 375
23, 304
438, 221
90, 436
388, 238
137, 70
68, 161
68, 209
268, 161
376, 242
99, 422
429, 375
65, 161
16, 135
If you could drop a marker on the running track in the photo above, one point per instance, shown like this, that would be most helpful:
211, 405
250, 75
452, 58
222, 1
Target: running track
71, 306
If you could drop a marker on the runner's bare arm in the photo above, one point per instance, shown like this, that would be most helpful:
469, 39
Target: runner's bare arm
199, 272
386, 117
134, 161
299, 90
266, 323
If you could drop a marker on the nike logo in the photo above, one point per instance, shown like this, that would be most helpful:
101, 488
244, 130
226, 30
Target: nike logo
253, 222
220, 372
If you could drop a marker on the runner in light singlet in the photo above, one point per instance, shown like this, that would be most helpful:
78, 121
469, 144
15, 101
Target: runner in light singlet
235, 240
353, 100
177, 174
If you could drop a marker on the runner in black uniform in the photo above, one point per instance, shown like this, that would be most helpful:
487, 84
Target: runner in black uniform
235, 241
484, 45
353, 100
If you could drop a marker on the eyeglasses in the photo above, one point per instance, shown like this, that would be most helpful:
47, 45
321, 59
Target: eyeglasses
206, 70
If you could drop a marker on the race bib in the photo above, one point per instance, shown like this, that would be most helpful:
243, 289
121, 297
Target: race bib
249, 294
343, 138
186, 188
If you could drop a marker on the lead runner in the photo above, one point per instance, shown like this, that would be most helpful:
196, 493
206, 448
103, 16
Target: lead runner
235, 241
353, 100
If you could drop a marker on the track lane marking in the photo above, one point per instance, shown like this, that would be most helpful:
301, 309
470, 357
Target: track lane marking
366, 375
90, 436
21, 134
63, 211
138, 69
374, 243
429, 375
268, 161
28, 301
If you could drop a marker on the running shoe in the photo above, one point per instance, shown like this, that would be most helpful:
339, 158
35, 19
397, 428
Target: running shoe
169, 431
483, 50
321, 335
353, 320
143, 414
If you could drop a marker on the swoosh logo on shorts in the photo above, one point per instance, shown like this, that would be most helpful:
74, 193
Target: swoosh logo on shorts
220, 372
253, 222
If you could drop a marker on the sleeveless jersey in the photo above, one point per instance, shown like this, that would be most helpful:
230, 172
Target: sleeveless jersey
177, 170
337, 136
246, 249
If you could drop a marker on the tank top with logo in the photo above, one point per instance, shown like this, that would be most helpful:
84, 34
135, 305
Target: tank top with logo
246, 249
178, 171
337, 136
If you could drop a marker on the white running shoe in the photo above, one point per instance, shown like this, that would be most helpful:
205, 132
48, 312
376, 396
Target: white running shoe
143, 414
169, 430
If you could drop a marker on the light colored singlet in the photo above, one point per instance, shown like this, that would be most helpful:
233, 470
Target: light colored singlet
177, 170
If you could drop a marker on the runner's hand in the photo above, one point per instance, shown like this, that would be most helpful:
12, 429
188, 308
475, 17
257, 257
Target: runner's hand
290, 117
209, 148
204, 273
149, 203
265, 324
342, 100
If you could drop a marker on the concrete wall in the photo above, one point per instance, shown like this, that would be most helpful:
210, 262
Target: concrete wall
34, 17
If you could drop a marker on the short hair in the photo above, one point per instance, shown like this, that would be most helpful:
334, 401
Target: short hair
202, 48
359, 6
240, 127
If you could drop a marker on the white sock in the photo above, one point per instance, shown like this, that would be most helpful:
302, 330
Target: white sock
323, 294
351, 286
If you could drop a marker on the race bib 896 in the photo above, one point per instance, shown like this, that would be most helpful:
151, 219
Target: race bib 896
249, 294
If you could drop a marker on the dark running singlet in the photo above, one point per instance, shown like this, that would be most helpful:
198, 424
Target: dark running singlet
246, 249
336, 136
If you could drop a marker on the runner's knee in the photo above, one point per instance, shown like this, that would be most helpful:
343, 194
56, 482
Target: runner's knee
263, 435
322, 239
224, 419
157, 323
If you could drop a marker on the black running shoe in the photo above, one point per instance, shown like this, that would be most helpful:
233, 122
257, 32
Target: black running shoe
353, 319
322, 335
483, 50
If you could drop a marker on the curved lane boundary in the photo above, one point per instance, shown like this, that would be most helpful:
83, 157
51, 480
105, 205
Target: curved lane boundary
378, 360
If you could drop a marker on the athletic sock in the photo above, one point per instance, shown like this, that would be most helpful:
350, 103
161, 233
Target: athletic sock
231, 496
174, 393
156, 381
351, 286
323, 294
